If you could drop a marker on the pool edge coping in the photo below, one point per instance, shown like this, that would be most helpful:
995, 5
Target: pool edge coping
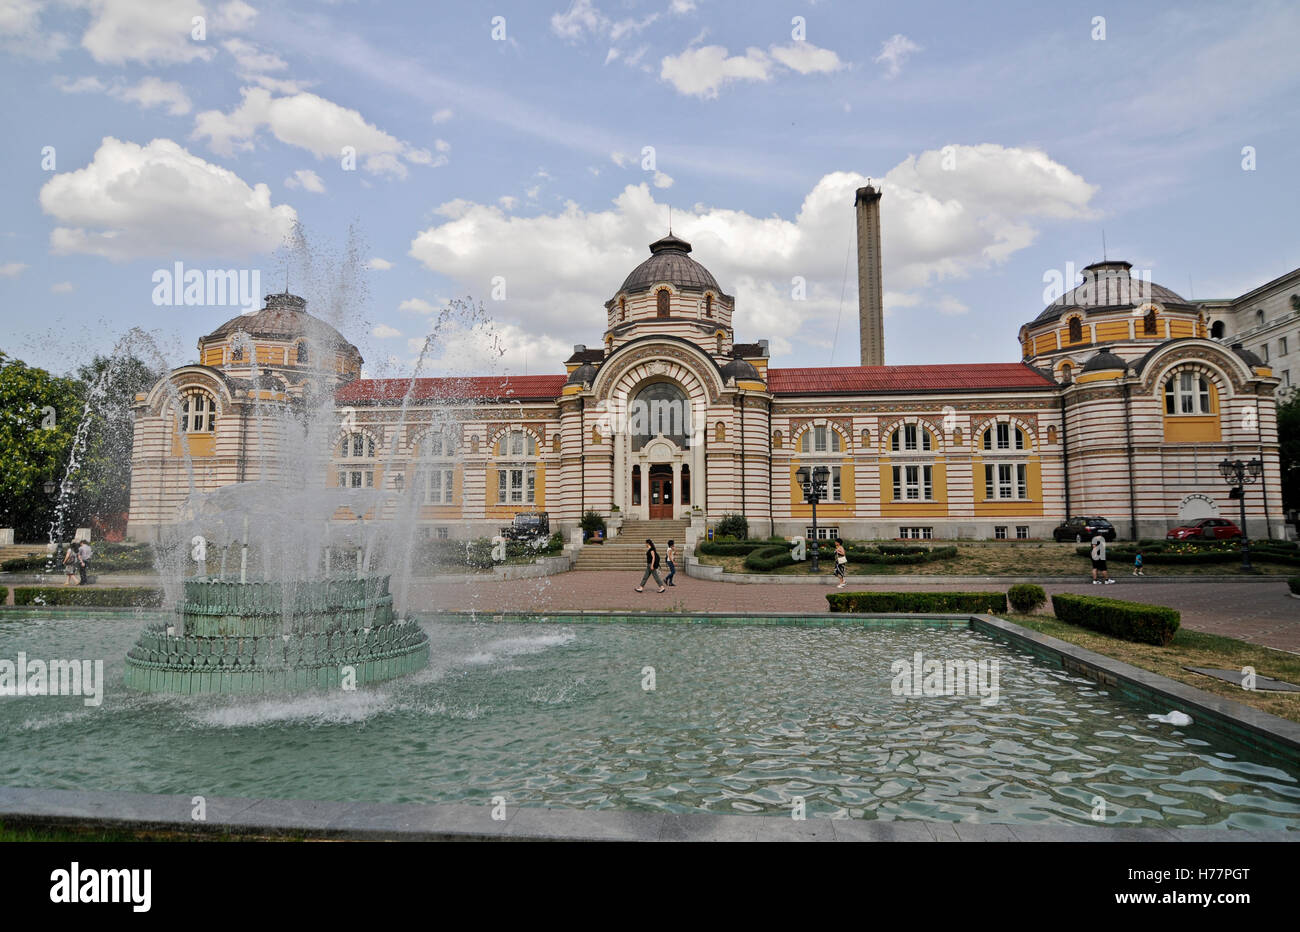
264, 817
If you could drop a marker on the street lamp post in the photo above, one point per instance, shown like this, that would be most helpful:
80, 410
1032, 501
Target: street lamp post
1238, 475
814, 490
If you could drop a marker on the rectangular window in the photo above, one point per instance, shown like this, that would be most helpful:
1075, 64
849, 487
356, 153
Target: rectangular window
441, 533
440, 486
822, 533
913, 483
1000, 532
515, 486
1022, 532
356, 479
819, 439
1281, 347
1005, 481
916, 533
1264, 351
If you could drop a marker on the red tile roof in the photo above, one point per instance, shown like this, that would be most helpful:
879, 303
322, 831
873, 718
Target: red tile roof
478, 388
992, 376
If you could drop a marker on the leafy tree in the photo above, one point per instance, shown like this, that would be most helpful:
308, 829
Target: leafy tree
110, 384
39, 414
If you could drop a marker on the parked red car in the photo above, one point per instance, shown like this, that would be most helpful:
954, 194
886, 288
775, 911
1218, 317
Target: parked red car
1205, 529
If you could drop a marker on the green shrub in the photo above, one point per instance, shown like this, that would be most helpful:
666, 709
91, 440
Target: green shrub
1129, 621
1026, 597
478, 552
555, 544
75, 595
927, 602
732, 525
592, 521
1294, 583
734, 548
769, 557
4, 595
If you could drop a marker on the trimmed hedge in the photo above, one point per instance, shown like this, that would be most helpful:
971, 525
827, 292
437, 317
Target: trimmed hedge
1294, 583
732, 548
4, 594
75, 595
978, 603
1129, 621
1025, 597
770, 557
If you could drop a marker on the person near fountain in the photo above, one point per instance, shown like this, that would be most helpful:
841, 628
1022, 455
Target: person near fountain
84, 553
70, 561
672, 564
841, 561
651, 566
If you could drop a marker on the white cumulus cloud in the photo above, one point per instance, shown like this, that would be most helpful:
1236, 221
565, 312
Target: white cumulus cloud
894, 51
306, 179
160, 201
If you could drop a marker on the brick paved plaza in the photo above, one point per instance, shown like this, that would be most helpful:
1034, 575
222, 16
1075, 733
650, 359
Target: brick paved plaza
1262, 612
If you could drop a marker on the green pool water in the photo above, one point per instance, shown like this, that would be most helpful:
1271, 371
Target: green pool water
740, 720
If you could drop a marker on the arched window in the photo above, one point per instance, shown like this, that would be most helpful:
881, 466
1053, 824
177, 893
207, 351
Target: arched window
1187, 392
473, 445
909, 437
1149, 323
1259, 316
708, 305
1216, 330
720, 432
237, 353
661, 302
821, 439
198, 413
1076, 330
776, 440
1067, 373
517, 443
719, 339
595, 436
866, 439
1051, 434
956, 436
622, 309
660, 409
357, 445
555, 443
302, 353
439, 441
1004, 437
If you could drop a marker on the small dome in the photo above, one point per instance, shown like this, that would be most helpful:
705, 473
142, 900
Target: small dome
1247, 356
1104, 360
284, 317
1111, 285
584, 373
740, 369
670, 263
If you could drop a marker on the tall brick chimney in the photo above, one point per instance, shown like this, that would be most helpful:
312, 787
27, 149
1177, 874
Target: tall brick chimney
871, 312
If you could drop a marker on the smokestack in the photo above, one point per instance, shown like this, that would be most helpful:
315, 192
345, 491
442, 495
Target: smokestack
871, 312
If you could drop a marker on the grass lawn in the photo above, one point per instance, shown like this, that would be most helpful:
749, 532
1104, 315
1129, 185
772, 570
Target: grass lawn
1006, 558
1191, 649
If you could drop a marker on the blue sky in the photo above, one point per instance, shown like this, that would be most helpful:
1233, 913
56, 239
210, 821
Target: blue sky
1007, 138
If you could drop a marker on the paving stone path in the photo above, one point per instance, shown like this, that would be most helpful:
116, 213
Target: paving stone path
1261, 612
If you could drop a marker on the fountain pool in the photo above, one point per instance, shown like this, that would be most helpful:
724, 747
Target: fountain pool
741, 720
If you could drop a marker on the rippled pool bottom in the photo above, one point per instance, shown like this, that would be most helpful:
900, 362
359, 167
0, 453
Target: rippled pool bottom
741, 720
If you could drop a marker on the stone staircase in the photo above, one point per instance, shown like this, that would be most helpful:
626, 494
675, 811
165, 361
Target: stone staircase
626, 552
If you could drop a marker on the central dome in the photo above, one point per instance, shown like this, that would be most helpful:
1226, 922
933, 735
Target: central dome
669, 262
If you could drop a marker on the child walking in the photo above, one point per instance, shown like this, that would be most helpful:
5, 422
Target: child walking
1137, 564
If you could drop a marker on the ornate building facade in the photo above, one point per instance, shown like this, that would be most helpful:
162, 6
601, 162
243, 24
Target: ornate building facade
1121, 406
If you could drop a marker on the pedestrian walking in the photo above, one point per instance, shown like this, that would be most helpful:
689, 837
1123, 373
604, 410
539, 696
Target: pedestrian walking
841, 561
84, 553
672, 564
1099, 561
651, 566
1137, 564
70, 565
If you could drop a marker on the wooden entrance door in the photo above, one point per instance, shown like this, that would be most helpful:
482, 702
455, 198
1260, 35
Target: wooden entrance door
661, 492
